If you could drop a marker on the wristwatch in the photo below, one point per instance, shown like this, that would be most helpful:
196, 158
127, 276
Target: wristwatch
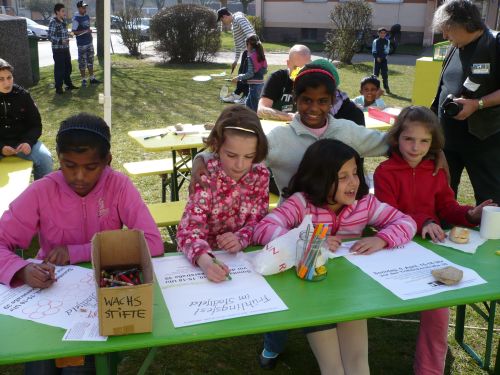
480, 103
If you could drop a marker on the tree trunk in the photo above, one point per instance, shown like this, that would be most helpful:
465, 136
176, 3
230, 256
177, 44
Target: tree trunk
99, 11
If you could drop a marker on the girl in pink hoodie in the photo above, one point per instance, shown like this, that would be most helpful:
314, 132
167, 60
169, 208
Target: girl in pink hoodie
67, 207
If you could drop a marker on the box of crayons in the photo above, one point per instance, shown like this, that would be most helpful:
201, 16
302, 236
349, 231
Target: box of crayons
124, 282
312, 253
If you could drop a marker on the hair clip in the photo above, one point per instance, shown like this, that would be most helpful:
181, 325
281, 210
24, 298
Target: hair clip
242, 129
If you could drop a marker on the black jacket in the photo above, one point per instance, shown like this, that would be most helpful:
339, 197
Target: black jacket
20, 121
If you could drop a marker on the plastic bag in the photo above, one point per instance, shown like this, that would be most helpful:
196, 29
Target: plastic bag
279, 254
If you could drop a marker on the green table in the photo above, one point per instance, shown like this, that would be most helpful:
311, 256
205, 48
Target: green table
346, 294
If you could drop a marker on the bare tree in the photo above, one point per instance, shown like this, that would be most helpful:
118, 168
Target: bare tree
245, 5
130, 29
160, 4
352, 22
44, 7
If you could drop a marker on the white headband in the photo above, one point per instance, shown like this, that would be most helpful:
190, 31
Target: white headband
242, 129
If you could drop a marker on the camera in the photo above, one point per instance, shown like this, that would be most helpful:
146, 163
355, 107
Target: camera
451, 108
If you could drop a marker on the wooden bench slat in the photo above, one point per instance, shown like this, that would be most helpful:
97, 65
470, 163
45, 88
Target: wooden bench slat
152, 167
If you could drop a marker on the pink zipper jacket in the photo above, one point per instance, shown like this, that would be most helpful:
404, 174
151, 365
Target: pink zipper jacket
393, 226
62, 218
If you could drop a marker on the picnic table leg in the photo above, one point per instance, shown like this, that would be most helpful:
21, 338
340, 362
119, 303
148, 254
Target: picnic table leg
489, 316
106, 364
174, 194
497, 360
147, 361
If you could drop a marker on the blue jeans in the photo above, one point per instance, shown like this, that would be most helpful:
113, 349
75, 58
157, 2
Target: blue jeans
253, 97
42, 160
276, 341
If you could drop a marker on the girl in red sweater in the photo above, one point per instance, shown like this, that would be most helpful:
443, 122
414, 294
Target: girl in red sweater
406, 182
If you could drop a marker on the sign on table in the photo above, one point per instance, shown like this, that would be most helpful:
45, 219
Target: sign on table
406, 271
192, 299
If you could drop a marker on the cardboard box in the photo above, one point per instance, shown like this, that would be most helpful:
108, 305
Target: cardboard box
381, 115
123, 309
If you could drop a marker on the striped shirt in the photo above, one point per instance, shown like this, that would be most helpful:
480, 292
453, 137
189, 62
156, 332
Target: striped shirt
58, 33
242, 29
393, 226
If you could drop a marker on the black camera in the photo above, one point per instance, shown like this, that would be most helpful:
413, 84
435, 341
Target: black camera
451, 108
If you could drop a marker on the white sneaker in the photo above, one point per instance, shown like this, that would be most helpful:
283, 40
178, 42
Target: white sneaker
231, 98
241, 100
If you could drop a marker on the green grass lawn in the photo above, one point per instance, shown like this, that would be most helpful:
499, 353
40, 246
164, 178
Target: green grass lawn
150, 96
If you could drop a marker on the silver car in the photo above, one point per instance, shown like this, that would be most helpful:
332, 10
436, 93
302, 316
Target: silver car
40, 31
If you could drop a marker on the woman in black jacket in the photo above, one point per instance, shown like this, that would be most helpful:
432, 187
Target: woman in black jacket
21, 124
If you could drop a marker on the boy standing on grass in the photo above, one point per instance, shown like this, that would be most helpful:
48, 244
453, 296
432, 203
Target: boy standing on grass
59, 37
81, 28
380, 50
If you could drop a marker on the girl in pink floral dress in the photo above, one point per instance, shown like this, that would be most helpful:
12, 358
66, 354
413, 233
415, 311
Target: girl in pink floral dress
233, 196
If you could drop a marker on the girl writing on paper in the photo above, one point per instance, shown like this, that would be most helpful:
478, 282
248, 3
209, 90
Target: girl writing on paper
256, 69
330, 186
232, 196
405, 181
66, 208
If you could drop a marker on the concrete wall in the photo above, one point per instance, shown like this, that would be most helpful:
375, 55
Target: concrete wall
14, 48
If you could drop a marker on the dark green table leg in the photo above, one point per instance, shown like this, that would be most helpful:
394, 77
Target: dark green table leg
497, 361
174, 194
106, 364
488, 316
147, 361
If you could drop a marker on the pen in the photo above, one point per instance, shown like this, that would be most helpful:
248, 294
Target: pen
216, 261
157, 135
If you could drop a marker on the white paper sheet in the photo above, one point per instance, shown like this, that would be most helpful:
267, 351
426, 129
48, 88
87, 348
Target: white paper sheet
475, 240
71, 298
406, 271
192, 299
84, 330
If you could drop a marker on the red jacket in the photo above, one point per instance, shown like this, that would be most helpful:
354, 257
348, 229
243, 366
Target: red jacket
416, 192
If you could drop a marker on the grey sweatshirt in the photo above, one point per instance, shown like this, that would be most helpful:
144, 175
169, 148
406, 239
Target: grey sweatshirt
287, 144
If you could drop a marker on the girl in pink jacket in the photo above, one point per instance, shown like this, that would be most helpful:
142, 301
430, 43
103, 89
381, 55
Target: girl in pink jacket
330, 185
67, 207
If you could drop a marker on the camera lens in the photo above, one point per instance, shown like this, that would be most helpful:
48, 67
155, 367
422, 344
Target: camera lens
451, 109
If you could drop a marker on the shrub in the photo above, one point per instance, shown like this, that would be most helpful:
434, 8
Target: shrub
352, 21
129, 25
186, 33
257, 26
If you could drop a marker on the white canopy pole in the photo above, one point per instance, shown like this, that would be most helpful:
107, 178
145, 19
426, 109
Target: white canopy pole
107, 62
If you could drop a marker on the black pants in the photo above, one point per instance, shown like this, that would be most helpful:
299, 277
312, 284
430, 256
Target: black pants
62, 67
381, 67
242, 86
482, 165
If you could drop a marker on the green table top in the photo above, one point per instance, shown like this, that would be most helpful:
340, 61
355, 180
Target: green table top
346, 294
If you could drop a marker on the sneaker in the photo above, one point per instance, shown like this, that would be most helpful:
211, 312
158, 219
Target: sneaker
241, 100
94, 81
59, 91
230, 98
267, 363
71, 87
84, 82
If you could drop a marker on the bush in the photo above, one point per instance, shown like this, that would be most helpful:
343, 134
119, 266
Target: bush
352, 21
129, 25
257, 26
186, 33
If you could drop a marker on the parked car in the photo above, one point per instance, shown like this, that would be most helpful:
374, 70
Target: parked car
40, 31
144, 27
115, 22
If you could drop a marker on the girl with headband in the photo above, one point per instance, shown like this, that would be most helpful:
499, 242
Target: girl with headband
232, 197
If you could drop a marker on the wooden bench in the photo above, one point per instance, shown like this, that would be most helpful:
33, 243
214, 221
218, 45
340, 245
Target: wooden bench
160, 167
168, 214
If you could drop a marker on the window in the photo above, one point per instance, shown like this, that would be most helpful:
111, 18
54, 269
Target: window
309, 34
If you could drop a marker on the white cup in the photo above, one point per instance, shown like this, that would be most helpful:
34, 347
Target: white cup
490, 223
